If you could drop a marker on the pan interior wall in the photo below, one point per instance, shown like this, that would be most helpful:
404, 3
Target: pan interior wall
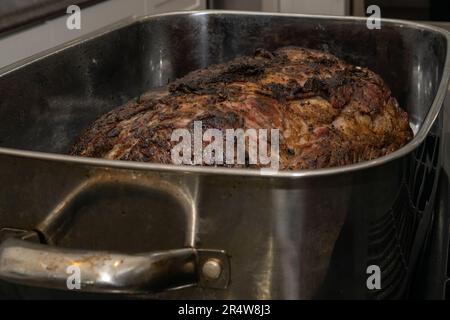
45, 105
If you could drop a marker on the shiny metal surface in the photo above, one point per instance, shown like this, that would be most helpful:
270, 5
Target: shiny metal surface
305, 234
432, 281
49, 267
24, 262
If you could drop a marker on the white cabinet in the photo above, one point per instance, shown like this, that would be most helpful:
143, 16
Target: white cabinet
159, 6
46, 35
93, 18
325, 7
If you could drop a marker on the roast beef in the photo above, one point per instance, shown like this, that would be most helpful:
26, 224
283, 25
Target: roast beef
329, 113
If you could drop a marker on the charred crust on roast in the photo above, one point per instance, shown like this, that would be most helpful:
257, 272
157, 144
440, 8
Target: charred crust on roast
329, 113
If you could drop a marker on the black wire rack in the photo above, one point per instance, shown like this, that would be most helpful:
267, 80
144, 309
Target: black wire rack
397, 239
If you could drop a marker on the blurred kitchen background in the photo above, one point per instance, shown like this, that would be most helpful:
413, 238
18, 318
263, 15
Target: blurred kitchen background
31, 26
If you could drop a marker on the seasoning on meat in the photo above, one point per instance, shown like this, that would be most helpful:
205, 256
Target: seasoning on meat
329, 113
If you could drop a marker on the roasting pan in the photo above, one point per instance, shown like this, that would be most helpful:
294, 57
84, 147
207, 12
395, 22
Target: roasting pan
161, 231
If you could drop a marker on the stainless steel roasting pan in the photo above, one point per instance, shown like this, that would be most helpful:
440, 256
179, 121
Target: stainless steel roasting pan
142, 229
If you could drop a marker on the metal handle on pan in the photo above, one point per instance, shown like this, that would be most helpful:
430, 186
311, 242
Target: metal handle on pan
34, 264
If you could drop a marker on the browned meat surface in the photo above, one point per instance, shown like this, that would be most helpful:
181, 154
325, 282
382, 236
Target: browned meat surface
329, 113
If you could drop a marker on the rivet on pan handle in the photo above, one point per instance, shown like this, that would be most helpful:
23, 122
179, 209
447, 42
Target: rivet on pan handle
27, 263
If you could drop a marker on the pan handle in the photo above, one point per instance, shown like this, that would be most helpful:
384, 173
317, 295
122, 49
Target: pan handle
34, 264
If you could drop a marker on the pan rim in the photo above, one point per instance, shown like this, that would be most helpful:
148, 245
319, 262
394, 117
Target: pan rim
426, 125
